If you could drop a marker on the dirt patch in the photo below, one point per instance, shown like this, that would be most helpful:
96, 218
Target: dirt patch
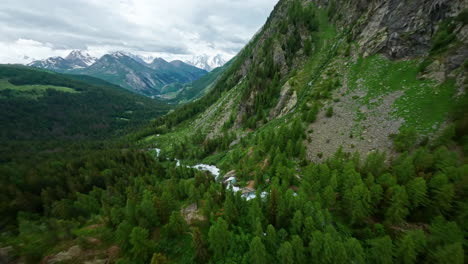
192, 214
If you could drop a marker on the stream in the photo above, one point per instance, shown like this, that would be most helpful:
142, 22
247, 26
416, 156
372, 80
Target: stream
215, 171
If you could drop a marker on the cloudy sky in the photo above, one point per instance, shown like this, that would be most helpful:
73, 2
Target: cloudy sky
167, 28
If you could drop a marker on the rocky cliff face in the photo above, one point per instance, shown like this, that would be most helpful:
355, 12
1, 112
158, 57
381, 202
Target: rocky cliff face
398, 29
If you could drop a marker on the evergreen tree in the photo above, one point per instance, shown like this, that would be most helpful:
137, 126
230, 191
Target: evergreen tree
219, 238
357, 202
417, 192
177, 225
286, 254
158, 258
409, 246
296, 223
298, 249
271, 239
354, 251
201, 250
380, 250
398, 209
122, 234
141, 247
257, 253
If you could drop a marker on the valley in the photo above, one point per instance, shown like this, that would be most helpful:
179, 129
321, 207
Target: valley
337, 134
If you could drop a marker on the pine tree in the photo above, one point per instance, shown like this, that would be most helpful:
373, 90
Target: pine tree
354, 251
177, 225
417, 192
328, 197
141, 248
122, 234
147, 216
219, 238
398, 209
357, 202
159, 258
409, 246
201, 250
257, 253
451, 253
298, 248
442, 198
296, 223
380, 250
271, 239
285, 253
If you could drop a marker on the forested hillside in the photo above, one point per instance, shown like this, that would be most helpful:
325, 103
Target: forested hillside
337, 135
43, 111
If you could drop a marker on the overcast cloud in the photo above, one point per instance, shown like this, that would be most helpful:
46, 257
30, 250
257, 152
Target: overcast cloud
168, 28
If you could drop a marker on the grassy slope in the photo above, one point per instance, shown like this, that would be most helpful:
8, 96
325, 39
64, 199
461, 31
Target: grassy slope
423, 105
32, 91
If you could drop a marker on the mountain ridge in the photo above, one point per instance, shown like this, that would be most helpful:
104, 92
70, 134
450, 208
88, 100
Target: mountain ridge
125, 69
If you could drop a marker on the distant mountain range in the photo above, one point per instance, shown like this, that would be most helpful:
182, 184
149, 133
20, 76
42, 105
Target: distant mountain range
144, 75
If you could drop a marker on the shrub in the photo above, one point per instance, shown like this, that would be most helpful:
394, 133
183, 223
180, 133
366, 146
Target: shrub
405, 139
329, 112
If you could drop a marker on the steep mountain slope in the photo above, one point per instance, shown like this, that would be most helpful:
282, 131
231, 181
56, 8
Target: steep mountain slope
351, 69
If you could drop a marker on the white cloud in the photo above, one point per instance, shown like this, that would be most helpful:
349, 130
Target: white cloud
177, 28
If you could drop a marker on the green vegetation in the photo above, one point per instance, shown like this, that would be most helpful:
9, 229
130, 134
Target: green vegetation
329, 112
421, 103
340, 210
110, 193
53, 111
30, 91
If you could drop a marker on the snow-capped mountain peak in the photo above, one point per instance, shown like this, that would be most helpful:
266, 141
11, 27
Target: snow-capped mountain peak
75, 60
119, 54
207, 62
80, 58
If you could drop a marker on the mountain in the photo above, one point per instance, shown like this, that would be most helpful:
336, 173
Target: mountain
53, 63
148, 79
126, 70
179, 70
80, 60
354, 71
75, 60
183, 93
119, 69
338, 134
207, 62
